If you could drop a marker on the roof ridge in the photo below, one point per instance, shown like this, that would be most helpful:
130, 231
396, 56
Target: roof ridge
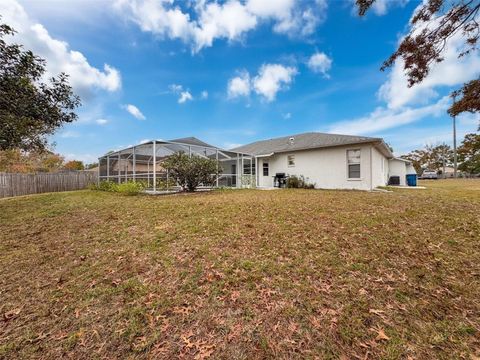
303, 141
307, 133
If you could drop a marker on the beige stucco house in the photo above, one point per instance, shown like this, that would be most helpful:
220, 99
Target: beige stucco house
329, 161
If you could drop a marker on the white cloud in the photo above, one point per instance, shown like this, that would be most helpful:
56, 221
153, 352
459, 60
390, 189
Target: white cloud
204, 95
84, 78
383, 118
271, 79
175, 88
239, 85
287, 116
435, 133
134, 111
320, 63
380, 7
68, 134
450, 72
301, 21
404, 105
101, 121
184, 97
153, 16
229, 20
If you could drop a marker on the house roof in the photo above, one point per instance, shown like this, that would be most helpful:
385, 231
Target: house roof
305, 141
192, 141
402, 159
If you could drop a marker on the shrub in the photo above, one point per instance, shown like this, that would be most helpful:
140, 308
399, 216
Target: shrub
126, 188
293, 182
191, 171
299, 182
104, 186
130, 188
163, 184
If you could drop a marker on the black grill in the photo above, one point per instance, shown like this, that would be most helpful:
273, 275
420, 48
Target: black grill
280, 180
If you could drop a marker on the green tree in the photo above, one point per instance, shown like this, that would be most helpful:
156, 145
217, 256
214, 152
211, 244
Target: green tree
432, 24
191, 171
30, 110
469, 154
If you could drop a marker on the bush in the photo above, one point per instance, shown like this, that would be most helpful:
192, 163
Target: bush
163, 184
299, 182
130, 188
192, 171
126, 188
293, 182
104, 186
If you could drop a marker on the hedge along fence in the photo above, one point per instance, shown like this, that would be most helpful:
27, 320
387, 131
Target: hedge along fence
24, 184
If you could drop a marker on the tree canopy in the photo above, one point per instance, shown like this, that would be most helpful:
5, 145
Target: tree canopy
30, 109
191, 171
431, 157
432, 25
469, 154
17, 161
74, 165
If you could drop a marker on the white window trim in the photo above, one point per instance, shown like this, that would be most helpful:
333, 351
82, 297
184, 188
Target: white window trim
360, 163
268, 168
288, 162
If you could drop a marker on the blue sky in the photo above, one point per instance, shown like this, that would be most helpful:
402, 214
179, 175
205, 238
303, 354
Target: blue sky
235, 72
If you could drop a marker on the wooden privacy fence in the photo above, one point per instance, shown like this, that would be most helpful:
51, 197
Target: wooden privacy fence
24, 184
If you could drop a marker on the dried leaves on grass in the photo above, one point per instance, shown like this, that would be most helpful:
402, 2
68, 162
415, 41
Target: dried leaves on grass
243, 275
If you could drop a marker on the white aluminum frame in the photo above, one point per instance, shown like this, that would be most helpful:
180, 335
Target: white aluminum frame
143, 163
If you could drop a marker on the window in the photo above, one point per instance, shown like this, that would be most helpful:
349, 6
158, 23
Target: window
291, 160
353, 162
265, 168
248, 169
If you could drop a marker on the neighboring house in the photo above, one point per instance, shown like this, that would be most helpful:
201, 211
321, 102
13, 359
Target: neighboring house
449, 172
329, 161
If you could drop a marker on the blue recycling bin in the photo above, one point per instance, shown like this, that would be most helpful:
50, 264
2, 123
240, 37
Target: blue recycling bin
412, 179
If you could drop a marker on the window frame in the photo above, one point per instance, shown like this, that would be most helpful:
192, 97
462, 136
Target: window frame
267, 167
359, 178
291, 157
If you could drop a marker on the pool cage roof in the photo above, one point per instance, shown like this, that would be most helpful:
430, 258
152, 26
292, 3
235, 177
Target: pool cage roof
143, 162
169, 147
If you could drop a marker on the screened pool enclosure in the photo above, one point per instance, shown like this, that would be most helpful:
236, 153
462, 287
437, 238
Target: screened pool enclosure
143, 163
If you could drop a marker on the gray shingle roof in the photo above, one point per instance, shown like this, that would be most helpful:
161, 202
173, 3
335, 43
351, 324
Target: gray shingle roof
311, 140
192, 141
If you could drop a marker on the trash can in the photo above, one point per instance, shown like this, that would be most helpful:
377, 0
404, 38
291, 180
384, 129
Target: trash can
412, 179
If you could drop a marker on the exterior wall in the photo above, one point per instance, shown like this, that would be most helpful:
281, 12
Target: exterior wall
326, 168
411, 169
379, 168
398, 168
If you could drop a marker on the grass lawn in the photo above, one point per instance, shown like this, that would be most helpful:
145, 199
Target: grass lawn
243, 274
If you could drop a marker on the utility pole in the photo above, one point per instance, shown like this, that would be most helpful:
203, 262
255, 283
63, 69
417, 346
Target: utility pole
443, 160
454, 143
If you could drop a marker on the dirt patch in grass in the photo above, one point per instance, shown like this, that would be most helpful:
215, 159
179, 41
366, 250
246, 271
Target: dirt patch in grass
243, 274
